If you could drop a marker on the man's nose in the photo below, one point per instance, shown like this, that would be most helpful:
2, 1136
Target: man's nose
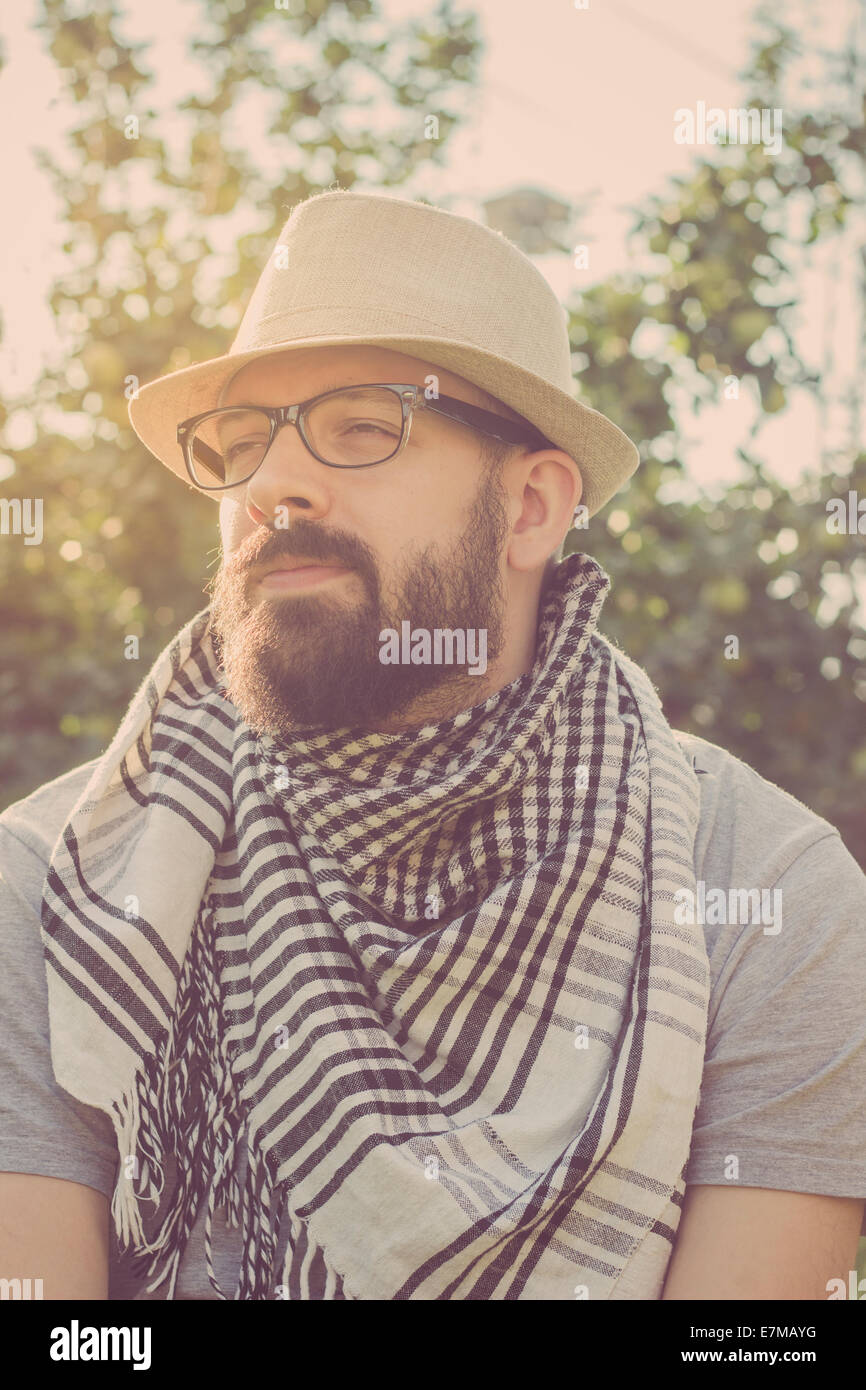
289, 481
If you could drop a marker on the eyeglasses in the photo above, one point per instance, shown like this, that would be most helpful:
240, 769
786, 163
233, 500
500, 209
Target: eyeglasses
351, 427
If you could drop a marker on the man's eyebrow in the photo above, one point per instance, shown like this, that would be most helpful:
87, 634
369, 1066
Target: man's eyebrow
335, 386
349, 386
362, 386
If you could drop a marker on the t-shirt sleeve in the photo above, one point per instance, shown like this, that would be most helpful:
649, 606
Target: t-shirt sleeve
43, 1129
783, 1097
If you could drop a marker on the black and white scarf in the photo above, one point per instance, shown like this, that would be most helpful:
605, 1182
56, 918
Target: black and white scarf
430, 983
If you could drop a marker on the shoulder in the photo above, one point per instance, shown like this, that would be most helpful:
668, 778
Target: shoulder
782, 904
37, 820
29, 830
49, 1132
750, 830
780, 898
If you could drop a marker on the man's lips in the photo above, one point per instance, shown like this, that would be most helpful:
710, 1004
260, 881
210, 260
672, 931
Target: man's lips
293, 562
295, 572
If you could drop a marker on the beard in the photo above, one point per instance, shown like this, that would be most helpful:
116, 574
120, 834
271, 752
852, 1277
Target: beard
311, 660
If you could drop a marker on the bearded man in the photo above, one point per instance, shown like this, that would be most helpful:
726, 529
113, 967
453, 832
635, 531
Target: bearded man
341, 977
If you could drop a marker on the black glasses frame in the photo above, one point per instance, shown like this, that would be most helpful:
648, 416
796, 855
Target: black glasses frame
412, 398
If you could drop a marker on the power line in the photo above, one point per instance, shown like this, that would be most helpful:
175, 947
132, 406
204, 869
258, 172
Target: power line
526, 102
660, 31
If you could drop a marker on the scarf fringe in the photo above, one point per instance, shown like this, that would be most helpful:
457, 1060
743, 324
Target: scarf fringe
185, 1104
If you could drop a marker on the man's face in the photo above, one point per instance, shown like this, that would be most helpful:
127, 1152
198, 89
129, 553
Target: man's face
418, 538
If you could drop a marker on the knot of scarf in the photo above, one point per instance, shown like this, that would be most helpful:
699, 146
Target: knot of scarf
415, 819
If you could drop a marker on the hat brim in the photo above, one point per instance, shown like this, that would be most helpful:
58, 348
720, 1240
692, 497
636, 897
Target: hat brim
605, 456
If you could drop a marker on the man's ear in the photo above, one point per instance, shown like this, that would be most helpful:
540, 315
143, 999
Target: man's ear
553, 481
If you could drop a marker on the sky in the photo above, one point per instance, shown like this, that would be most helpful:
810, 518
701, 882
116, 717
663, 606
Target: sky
575, 100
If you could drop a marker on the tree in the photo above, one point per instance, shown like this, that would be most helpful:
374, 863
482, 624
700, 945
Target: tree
710, 275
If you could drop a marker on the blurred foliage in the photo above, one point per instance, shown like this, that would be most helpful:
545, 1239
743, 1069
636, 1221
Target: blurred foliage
756, 563
150, 290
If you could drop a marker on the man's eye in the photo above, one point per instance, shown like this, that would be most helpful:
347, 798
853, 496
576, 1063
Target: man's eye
240, 446
369, 426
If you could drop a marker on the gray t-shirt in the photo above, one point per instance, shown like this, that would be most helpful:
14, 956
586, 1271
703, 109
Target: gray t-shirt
783, 1095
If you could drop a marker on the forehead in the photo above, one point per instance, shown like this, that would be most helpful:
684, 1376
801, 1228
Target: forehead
295, 375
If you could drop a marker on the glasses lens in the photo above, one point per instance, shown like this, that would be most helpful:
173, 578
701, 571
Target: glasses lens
361, 425
228, 446
356, 426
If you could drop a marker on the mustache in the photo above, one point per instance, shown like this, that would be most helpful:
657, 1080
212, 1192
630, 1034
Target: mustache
229, 584
264, 546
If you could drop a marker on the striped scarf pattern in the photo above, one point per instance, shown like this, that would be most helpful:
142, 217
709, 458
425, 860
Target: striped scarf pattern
430, 984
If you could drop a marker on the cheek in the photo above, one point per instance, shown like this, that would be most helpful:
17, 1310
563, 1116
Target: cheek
235, 524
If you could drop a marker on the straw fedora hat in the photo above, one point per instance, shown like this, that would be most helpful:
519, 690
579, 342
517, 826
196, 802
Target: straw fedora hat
382, 271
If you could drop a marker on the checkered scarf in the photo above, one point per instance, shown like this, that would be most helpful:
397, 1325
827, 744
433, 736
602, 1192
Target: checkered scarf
429, 983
